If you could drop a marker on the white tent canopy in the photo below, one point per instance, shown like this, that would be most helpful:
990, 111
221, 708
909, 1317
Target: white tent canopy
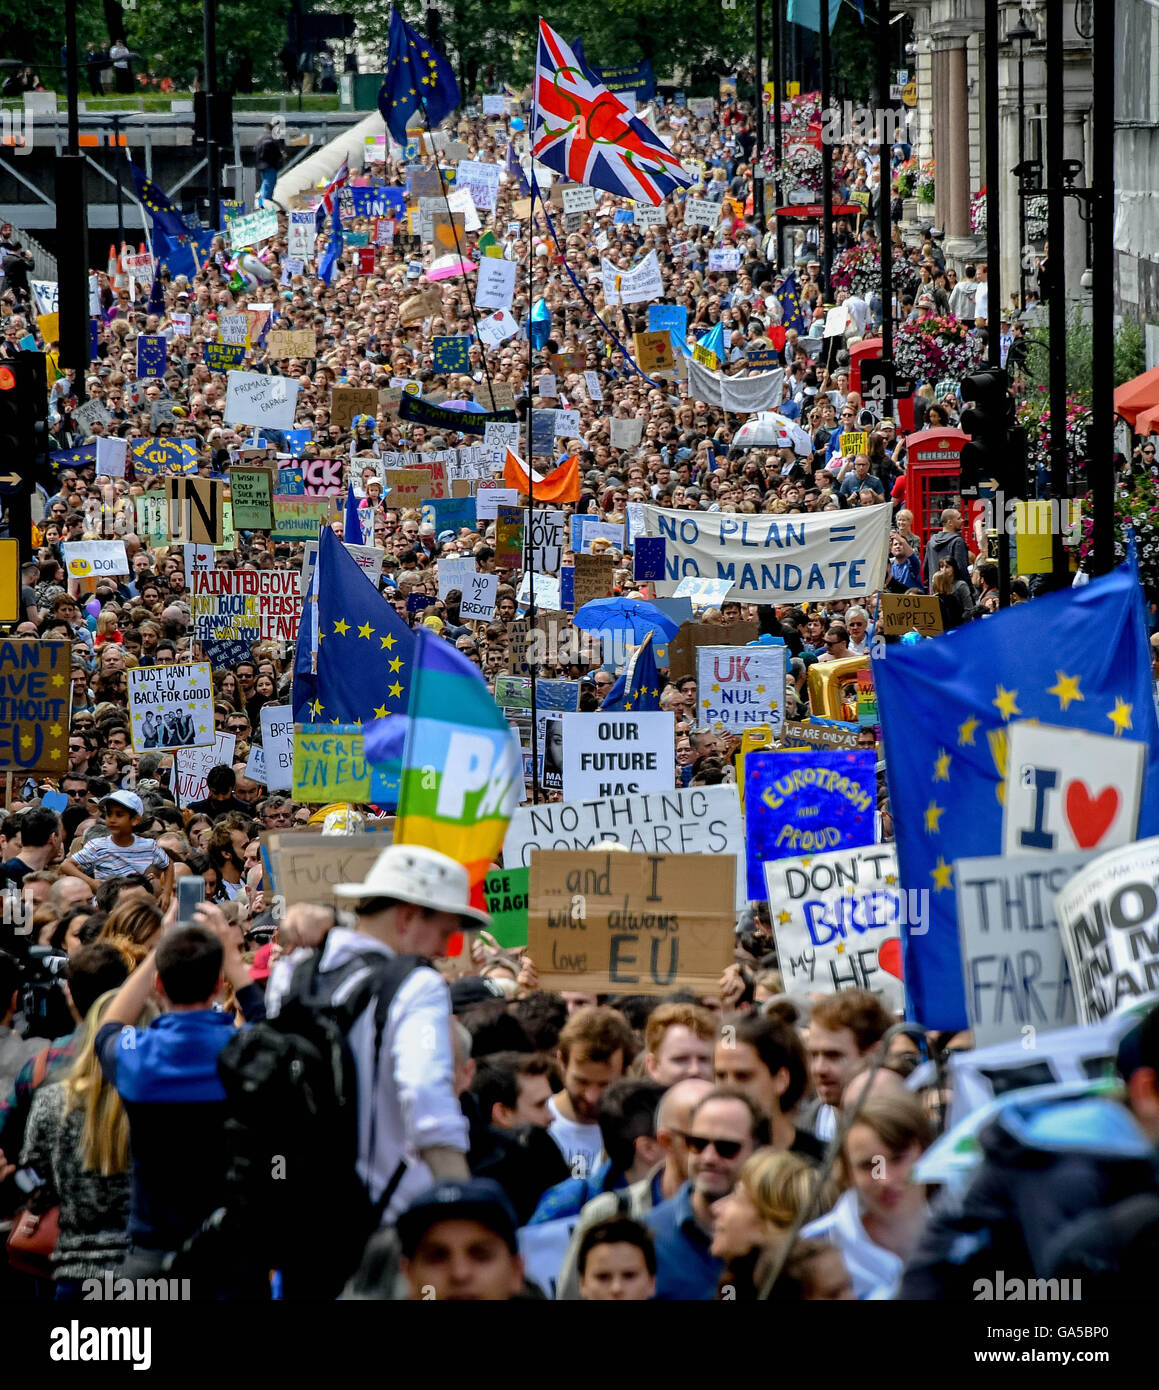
321, 166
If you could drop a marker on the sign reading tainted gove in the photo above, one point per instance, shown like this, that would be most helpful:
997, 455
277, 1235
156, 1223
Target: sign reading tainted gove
774, 559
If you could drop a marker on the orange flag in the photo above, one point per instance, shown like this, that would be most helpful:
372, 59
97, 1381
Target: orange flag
560, 485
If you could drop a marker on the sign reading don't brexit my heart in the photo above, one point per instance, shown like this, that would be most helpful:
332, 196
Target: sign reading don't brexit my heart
1069, 791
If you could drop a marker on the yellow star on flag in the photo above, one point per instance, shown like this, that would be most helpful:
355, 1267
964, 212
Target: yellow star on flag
387, 641
380, 712
342, 627
366, 631
934, 813
396, 664
316, 708
1067, 690
1120, 716
395, 690
942, 766
966, 732
1004, 702
942, 874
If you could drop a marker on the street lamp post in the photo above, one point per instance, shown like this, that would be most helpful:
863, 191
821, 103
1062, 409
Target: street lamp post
759, 106
1021, 34
826, 247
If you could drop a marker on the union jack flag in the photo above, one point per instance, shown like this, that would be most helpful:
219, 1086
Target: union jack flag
583, 131
330, 196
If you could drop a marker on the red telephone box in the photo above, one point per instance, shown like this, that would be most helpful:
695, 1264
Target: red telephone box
933, 478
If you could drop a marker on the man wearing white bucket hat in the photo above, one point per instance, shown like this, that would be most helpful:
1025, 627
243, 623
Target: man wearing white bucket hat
411, 1129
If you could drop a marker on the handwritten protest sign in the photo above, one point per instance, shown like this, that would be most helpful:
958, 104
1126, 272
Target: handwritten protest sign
192, 765
593, 578
254, 228
837, 919
408, 486
35, 691
277, 723
195, 510
250, 605
1069, 790
629, 923
1109, 918
806, 803
291, 342
773, 559
303, 866
252, 493
298, 518
696, 820
171, 706
615, 755
505, 892
817, 735
329, 764
252, 398
739, 688
508, 536
921, 613
691, 637
544, 540
478, 602
348, 401
1014, 968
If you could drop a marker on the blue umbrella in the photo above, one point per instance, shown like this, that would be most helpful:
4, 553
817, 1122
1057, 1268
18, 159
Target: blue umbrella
629, 615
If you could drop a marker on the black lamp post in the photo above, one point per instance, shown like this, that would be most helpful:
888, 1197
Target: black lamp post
1021, 34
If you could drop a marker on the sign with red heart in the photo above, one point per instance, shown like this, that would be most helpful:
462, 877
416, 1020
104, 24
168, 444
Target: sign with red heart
1068, 791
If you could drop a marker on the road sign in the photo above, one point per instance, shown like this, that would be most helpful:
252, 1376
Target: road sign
10, 582
10, 482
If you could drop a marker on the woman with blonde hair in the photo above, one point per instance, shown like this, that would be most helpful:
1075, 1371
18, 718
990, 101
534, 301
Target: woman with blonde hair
772, 1190
133, 925
77, 1140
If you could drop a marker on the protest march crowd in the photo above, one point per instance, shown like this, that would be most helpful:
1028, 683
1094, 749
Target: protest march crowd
297, 570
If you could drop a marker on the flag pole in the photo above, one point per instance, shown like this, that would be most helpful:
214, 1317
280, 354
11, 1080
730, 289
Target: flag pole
458, 251
529, 551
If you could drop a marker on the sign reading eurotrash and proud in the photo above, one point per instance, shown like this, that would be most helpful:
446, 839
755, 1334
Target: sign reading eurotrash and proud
774, 559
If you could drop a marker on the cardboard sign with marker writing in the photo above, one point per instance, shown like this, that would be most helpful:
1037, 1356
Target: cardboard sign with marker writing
408, 486
682, 648
252, 491
818, 735
196, 510
593, 578
303, 866
910, 613
629, 923
291, 342
498, 395
348, 401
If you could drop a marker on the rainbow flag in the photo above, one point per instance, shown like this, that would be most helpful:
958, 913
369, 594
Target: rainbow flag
462, 769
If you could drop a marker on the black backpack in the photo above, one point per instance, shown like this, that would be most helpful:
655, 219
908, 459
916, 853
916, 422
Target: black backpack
295, 1201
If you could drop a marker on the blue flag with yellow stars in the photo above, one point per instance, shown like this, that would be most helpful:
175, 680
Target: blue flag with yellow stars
174, 457
355, 654
151, 353
167, 218
418, 78
450, 354
792, 315
1078, 659
638, 689
79, 457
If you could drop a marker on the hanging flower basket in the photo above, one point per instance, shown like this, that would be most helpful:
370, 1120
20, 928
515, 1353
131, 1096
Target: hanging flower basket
858, 271
1037, 216
935, 349
924, 186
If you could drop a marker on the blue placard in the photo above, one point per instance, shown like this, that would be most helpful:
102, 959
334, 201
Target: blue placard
762, 359
543, 433
291, 483
296, 440
567, 588
380, 201
225, 651
450, 513
803, 803
623, 215
649, 558
674, 318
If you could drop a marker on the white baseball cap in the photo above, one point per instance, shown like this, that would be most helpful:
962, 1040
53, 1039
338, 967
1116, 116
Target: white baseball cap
424, 877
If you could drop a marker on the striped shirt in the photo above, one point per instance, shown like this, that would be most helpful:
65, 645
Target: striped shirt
104, 858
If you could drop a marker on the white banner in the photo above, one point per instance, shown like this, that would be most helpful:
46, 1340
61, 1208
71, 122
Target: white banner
741, 687
1014, 968
693, 820
254, 399
1109, 918
837, 919
617, 754
743, 394
775, 559
634, 286
192, 766
300, 243
92, 559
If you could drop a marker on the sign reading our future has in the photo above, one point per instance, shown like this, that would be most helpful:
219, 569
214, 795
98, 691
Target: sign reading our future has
837, 919
806, 803
35, 687
629, 923
615, 755
774, 559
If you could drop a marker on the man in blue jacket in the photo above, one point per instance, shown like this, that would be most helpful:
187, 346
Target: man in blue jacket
166, 1075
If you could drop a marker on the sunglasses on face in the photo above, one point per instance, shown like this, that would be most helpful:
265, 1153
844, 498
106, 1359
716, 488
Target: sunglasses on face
726, 1148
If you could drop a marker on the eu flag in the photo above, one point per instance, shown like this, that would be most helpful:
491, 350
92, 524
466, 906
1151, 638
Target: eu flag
638, 689
450, 354
166, 217
361, 650
151, 355
333, 249
792, 315
1078, 659
515, 172
80, 457
418, 78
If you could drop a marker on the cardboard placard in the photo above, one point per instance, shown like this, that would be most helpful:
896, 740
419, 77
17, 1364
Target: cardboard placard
606, 923
408, 486
921, 613
593, 578
495, 395
682, 648
818, 735
330, 765
35, 693
348, 401
196, 510
302, 866
291, 342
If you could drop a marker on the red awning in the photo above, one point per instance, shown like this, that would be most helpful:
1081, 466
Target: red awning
816, 210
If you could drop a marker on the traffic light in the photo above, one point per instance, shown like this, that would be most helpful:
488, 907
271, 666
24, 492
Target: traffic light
988, 415
23, 438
